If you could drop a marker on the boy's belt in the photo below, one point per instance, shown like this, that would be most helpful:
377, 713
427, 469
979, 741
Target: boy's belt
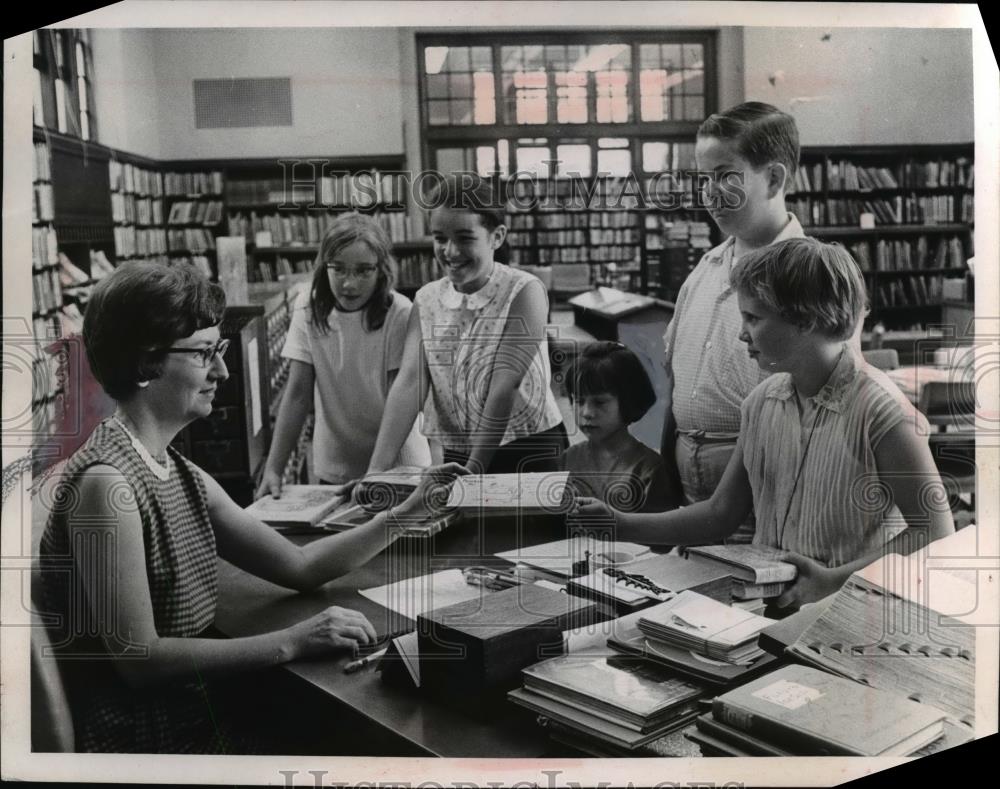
707, 437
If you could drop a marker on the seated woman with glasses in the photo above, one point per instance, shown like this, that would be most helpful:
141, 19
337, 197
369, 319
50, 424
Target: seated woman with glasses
130, 550
345, 343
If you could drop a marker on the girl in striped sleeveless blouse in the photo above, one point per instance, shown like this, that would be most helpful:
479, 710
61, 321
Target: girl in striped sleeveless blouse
831, 456
130, 550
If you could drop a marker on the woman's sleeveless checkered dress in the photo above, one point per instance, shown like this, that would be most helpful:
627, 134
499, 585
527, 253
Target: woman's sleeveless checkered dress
181, 566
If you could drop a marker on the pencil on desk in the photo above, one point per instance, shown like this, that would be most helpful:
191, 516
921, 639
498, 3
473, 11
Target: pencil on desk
357, 665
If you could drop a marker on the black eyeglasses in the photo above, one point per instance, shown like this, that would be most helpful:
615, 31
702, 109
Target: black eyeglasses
204, 355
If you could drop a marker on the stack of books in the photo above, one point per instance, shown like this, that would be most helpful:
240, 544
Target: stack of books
300, 508
757, 571
629, 639
707, 627
562, 560
608, 701
800, 711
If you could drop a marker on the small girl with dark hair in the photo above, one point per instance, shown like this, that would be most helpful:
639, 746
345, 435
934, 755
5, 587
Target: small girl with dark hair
611, 390
345, 343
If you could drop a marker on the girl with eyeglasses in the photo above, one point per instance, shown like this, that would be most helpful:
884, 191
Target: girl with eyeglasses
345, 343
130, 551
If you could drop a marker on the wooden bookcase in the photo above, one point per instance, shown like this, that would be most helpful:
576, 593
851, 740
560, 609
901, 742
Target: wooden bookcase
921, 198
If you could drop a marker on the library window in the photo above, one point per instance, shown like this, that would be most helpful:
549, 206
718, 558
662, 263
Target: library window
63, 97
595, 103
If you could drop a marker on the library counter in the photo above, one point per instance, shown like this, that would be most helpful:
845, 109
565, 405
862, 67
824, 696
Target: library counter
405, 721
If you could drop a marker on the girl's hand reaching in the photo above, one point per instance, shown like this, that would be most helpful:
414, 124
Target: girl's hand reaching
585, 511
430, 498
814, 582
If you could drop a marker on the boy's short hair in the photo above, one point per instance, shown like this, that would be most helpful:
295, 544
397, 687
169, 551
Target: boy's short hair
816, 286
763, 133
611, 368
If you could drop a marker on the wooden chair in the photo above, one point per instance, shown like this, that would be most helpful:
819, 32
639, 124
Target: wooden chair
882, 358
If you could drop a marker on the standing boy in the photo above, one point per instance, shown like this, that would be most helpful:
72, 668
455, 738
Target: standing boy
751, 152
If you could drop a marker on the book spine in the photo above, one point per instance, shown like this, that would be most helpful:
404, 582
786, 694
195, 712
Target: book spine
777, 732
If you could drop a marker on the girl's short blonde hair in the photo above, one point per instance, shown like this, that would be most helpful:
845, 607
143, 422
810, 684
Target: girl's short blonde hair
816, 286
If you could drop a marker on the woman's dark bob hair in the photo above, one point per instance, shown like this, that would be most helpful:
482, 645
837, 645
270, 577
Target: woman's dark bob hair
138, 311
611, 368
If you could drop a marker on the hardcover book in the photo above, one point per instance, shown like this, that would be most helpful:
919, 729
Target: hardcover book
813, 713
755, 564
300, 506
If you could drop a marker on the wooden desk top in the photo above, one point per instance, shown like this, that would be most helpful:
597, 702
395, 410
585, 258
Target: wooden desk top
248, 605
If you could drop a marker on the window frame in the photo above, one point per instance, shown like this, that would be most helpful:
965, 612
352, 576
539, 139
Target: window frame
434, 138
47, 63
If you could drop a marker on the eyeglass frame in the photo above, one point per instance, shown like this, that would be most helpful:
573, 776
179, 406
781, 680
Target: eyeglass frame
367, 272
207, 354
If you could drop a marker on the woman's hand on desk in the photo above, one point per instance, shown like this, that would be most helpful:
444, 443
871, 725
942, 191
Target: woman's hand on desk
430, 497
332, 629
813, 582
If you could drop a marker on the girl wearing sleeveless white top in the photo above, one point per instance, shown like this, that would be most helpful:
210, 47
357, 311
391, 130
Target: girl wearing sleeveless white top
476, 358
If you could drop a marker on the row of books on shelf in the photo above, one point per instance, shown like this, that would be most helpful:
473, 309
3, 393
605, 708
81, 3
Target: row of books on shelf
200, 262
44, 247
808, 178
595, 237
42, 203
912, 291
900, 210
130, 178
910, 254
198, 183
46, 291
591, 219
358, 190
603, 254
415, 271
273, 270
960, 171
40, 168
842, 174
289, 229
195, 212
137, 210
192, 239
132, 242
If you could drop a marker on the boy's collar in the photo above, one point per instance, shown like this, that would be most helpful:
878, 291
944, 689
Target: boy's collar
792, 229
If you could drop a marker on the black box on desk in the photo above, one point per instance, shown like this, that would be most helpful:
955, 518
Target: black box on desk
482, 644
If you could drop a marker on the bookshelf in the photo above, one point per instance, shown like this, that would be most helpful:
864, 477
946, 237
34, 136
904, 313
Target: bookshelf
47, 297
193, 208
137, 209
921, 200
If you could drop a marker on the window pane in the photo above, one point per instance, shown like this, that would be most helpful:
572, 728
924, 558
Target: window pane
694, 108
571, 97
36, 105
461, 112
654, 156
457, 60
652, 84
451, 160
612, 101
484, 99
534, 58
512, 58
649, 56
61, 106
573, 159
36, 44
486, 160
434, 58
694, 82
437, 86
612, 142
81, 87
531, 97
533, 161
81, 66
84, 125
614, 162
60, 51
555, 58
461, 86
693, 56
482, 59
437, 113
503, 157
670, 55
